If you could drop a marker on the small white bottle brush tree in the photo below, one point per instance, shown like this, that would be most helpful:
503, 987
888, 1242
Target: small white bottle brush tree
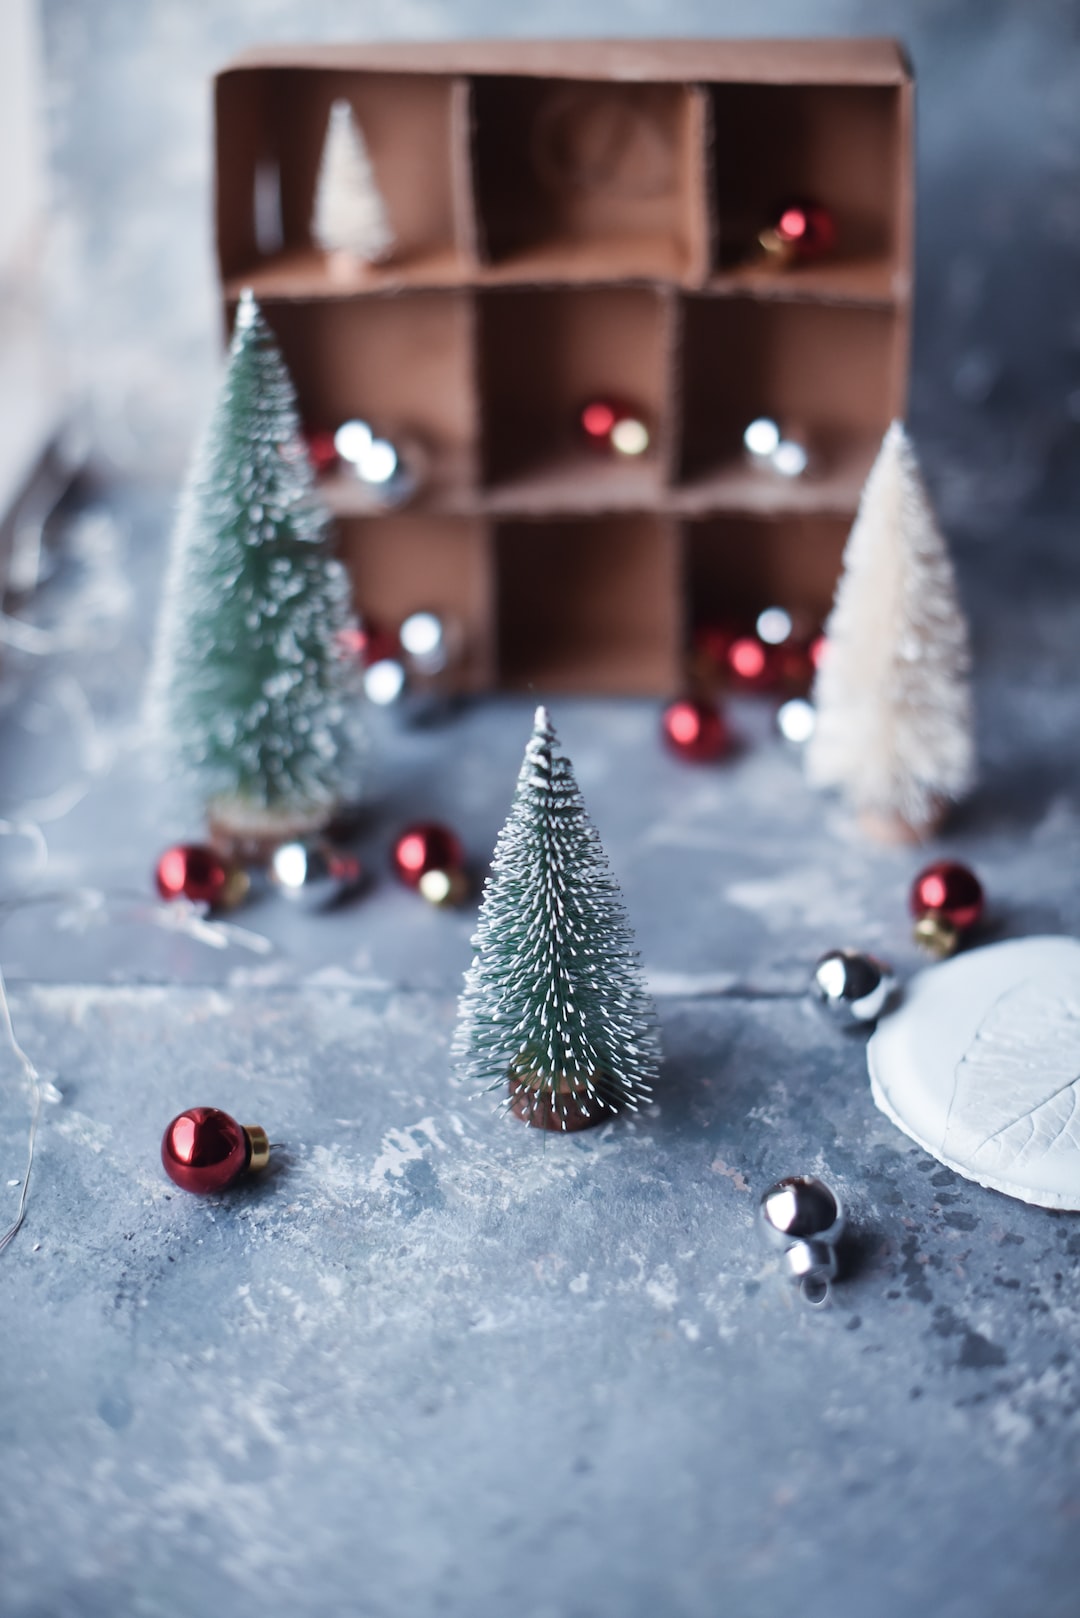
350, 216
894, 727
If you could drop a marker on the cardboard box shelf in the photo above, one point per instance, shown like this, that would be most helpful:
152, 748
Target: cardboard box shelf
576, 220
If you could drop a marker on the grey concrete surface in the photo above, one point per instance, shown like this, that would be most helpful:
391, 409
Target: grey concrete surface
435, 1362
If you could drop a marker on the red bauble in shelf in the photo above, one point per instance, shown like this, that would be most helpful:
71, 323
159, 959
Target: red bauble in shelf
613, 428
321, 451
801, 231
750, 664
369, 642
694, 729
946, 901
199, 873
427, 846
204, 1150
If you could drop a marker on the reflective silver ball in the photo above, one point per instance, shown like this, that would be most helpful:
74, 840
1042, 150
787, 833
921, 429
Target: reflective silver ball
852, 989
315, 874
805, 1220
801, 1208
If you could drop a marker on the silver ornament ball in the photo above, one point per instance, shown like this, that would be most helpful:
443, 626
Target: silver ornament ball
852, 989
315, 874
805, 1220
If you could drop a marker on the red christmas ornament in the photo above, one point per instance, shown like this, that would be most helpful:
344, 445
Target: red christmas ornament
613, 428
749, 663
204, 1150
695, 730
802, 230
193, 871
426, 847
368, 642
946, 900
321, 451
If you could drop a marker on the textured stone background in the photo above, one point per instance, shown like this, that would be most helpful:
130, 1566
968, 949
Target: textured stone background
434, 1363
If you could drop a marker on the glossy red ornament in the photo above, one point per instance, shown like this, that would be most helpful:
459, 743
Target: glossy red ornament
802, 231
368, 642
749, 663
613, 428
949, 890
196, 872
694, 729
322, 452
204, 1150
425, 847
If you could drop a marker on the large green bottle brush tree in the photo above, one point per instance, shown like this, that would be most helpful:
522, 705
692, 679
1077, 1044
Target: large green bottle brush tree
555, 1011
253, 694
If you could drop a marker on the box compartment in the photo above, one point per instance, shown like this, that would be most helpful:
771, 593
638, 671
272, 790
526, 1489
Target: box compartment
831, 377
588, 606
543, 354
736, 566
415, 563
589, 180
841, 145
403, 363
415, 129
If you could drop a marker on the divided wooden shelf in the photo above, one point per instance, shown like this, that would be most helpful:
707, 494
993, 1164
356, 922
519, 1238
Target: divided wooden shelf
577, 220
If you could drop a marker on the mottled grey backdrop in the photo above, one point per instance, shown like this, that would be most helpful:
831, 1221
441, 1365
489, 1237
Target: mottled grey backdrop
996, 399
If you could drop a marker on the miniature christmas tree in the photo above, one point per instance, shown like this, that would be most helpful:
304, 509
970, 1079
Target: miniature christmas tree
554, 1007
251, 690
349, 213
894, 720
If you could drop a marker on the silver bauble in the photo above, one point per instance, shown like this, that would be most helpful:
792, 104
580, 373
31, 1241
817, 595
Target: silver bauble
851, 988
802, 1217
315, 874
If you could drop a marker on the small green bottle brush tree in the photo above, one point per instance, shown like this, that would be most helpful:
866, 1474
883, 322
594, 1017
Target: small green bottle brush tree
253, 692
555, 1010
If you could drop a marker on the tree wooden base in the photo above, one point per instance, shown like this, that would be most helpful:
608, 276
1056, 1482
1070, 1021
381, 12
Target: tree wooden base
249, 835
892, 829
562, 1113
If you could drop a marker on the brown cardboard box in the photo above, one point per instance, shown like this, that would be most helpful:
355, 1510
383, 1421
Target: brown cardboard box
574, 220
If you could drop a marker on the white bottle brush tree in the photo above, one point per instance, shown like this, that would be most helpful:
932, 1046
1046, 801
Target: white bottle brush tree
350, 216
894, 716
555, 1010
252, 693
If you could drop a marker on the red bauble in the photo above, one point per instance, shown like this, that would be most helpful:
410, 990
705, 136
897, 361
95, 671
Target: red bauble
950, 892
193, 871
749, 663
368, 642
321, 451
613, 428
598, 417
425, 847
806, 230
695, 729
204, 1150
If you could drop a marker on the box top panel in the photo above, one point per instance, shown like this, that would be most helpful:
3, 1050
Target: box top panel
747, 61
